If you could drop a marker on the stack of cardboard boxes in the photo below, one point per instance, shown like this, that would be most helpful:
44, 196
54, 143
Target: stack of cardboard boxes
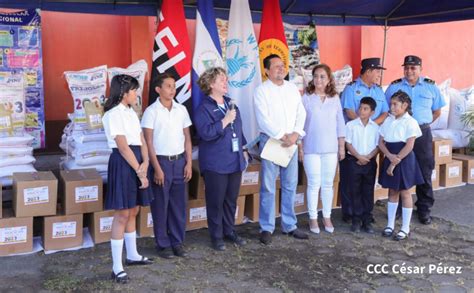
450, 171
61, 219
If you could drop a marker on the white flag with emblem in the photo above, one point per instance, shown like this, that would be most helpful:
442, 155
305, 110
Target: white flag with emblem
243, 64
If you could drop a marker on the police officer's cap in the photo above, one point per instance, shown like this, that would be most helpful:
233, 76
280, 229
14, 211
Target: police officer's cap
371, 63
412, 60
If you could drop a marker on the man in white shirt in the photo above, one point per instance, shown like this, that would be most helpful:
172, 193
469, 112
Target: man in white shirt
362, 136
166, 128
280, 115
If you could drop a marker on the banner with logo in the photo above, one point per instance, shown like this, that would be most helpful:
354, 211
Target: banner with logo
21, 54
243, 65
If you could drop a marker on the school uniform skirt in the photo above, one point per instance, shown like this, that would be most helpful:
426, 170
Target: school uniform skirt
406, 174
123, 190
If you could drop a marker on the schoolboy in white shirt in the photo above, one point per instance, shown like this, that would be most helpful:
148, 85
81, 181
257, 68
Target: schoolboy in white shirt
166, 124
361, 142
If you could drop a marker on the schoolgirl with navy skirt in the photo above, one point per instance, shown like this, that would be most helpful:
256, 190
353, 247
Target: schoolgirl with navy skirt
127, 185
400, 170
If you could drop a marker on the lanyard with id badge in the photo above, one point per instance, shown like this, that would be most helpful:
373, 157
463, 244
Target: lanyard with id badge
235, 139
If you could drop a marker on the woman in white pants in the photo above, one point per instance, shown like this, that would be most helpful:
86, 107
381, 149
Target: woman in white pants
323, 144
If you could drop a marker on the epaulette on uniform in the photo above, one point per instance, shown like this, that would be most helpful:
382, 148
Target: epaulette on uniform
351, 83
430, 81
396, 81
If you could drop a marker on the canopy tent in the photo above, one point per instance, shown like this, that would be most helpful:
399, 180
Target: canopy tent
322, 12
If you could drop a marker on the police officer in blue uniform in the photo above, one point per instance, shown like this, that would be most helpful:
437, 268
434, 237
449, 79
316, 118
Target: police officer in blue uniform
427, 102
367, 85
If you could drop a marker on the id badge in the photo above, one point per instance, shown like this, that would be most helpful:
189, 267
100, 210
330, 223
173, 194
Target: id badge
235, 145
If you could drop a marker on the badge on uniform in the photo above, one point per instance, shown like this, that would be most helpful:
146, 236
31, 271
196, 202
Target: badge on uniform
235, 144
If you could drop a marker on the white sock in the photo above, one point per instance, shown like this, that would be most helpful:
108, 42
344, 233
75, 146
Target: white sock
131, 246
406, 218
391, 213
117, 246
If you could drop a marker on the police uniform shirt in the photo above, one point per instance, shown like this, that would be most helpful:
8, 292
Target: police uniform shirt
167, 125
425, 97
122, 120
356, 90
364, 138
399, 129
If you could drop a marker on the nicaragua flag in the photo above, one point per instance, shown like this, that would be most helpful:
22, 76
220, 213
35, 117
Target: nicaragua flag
243, 65
207, 51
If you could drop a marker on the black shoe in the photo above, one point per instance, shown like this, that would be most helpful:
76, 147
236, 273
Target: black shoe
401, 235
236, 239
426, 220
387, 232
120, 278
218, 245
179, 251
367, 228
166, 252
144, 261
355, 227
297, 234
346, 218
266, 237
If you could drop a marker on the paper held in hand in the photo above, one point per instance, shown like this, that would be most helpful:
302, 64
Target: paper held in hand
274, 152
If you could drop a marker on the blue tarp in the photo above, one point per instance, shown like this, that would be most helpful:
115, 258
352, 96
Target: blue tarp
322, 12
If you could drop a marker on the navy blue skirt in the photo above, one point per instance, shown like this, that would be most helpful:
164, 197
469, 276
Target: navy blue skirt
405, 175
122, 185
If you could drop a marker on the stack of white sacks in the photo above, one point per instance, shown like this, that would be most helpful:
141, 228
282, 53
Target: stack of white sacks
16, 155
449, 124
84, 140
85, 149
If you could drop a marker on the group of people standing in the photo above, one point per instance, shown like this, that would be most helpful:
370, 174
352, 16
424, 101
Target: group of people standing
151, 162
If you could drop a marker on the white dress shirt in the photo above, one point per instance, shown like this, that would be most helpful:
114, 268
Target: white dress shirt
401, 129
167, 125
122, 120
279, 109
364, 139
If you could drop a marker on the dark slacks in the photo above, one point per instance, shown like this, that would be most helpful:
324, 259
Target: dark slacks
222, 191
361, 182
168, 209
346, 205
423, 150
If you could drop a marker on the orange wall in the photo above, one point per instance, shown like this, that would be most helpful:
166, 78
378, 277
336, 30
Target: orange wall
74, 41
447, 50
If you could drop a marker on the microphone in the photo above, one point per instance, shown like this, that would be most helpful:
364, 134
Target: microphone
231, 104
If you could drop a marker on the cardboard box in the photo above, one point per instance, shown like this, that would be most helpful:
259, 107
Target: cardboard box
196, 214
62, 232
196, 185
252, 206
435, 177
81, 191
450, 174
239, 210
380, 193
467, 167
301, 205
443, 150
145, 222
35, 194
16, 234
251, 179
100, 226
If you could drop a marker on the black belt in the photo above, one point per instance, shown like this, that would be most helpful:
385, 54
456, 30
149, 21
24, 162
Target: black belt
424, 126
171, 158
